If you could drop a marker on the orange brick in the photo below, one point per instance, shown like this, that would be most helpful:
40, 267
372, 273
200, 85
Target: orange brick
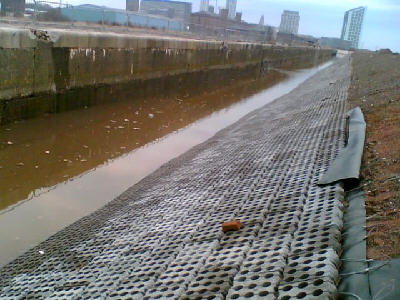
233, 225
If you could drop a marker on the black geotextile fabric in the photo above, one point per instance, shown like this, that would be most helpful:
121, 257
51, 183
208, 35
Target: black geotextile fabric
354, 248
385, 280
362, 278
346, 166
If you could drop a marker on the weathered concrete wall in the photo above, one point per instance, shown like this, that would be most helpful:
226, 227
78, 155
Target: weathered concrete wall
34, 62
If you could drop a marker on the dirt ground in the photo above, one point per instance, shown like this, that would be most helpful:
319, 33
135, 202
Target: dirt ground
376, 89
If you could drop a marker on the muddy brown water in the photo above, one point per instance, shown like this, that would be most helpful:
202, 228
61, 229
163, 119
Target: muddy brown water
61, 167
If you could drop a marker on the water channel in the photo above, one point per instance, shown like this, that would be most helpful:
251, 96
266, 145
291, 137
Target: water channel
60, 167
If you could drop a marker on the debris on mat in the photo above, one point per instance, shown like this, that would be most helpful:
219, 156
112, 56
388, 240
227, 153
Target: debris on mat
234, 225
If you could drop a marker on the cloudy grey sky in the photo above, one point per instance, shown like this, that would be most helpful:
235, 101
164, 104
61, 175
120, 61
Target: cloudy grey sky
318, 17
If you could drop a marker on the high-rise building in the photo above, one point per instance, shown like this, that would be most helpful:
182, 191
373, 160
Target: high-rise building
204, 4
290, 22
231, 7
132, 5
352, 25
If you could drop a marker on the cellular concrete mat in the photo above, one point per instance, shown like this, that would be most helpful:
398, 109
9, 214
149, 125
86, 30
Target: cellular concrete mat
162, 238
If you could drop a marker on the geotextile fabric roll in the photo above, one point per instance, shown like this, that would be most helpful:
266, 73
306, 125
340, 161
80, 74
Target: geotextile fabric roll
346, 166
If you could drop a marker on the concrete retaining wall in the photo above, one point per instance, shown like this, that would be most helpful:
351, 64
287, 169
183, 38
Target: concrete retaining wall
36, 62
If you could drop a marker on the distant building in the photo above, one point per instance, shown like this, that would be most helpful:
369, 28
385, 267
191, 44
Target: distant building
335, 43
352, 25
105, 15
207, 22
231, 7
238, 17
234, 29
132, 5
296, 39
224, 13
385, 51
261, 23
204, 5
12, 7
290, 22
171, 9
211, 9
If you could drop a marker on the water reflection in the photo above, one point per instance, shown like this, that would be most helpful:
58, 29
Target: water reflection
40, 153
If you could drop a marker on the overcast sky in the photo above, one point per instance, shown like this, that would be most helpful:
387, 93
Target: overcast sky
318, 17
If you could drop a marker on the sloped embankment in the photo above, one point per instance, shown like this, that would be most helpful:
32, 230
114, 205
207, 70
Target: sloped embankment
375, 87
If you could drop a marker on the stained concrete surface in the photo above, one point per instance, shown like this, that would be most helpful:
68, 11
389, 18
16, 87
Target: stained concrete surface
37, 62
162, 237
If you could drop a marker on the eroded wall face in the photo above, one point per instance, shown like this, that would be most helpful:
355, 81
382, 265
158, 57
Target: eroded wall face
46, 66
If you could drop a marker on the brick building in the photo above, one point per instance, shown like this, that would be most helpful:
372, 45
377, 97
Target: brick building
221, 25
